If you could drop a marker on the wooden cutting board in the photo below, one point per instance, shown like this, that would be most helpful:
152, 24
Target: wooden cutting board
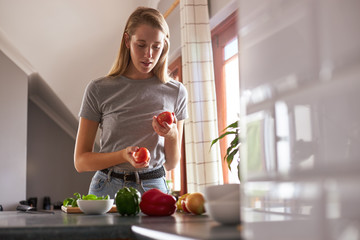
69, 209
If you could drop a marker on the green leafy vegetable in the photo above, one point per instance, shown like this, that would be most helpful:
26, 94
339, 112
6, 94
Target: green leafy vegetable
89, 197
94, 197
73, 201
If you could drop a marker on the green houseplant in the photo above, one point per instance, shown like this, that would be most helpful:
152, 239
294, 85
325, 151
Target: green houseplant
231, 130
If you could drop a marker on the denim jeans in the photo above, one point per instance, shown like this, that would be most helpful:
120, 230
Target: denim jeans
103, 184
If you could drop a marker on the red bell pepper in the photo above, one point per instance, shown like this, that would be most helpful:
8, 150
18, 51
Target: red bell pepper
156, 203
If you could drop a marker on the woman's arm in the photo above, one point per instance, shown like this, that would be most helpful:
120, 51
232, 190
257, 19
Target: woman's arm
173, 137
173, 148
87, 160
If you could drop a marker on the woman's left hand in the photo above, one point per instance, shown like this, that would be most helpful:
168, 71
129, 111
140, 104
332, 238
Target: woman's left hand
167, 130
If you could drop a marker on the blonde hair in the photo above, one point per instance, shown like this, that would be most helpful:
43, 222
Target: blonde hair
152, 17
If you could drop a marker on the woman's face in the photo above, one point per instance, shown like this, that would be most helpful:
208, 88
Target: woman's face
146, 46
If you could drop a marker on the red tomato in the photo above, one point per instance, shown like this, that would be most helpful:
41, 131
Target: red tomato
142, 155
165, 117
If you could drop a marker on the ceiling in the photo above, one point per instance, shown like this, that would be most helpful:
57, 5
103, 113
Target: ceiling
69, 42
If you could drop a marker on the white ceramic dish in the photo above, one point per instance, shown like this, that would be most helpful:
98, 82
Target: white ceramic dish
95, 206
227, 212
229, 192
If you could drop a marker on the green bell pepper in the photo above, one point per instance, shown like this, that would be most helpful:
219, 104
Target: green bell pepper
127, 201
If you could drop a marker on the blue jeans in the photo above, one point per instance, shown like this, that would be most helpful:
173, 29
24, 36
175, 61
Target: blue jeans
102, 184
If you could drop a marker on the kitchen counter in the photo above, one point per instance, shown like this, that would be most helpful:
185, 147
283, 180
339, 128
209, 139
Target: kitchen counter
60, 225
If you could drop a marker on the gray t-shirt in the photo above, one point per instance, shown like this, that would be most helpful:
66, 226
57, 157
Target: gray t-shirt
125, 107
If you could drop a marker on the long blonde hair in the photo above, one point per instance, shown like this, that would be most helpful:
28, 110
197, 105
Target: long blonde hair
152, 17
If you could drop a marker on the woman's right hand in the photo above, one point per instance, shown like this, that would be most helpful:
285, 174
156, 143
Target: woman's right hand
86, 160
129, 156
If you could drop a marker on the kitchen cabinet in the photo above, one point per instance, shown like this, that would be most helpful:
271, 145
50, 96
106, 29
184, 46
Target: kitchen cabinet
300, 71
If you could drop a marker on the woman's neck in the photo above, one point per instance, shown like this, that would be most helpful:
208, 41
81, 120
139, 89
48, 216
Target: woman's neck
134, 74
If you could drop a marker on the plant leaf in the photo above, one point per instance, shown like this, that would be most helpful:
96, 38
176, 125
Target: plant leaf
222, 135
233, 148
235, 142
233, 125
230, 157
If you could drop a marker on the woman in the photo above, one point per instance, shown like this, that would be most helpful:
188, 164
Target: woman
124, 104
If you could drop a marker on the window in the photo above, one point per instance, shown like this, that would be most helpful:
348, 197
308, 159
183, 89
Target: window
226, 69
231, 77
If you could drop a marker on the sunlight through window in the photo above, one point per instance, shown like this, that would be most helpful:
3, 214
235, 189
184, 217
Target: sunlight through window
231, 69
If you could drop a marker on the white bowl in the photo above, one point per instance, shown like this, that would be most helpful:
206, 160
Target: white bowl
95, 206
225, 212
229, 192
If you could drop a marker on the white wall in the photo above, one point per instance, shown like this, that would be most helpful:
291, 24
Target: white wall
50, 163
13, 128
37, 136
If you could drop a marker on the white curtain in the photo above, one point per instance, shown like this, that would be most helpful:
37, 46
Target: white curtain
203, 165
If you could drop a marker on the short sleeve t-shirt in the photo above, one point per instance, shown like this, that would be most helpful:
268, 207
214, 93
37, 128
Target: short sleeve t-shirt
124, 109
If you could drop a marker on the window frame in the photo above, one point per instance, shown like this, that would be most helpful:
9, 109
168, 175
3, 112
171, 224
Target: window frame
221, 35
175, 69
